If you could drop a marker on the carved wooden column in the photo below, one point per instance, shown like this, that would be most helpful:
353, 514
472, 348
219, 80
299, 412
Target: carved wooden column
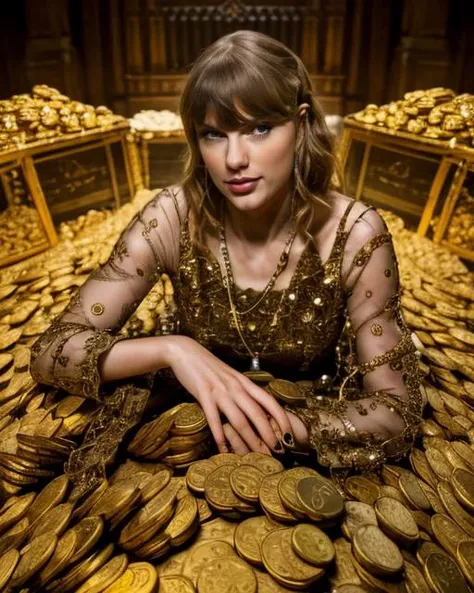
422, 57
50, 56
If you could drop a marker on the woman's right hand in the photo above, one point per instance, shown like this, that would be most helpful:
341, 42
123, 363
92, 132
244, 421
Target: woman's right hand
223, 391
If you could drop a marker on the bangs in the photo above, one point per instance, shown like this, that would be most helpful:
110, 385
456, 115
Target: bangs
229, 80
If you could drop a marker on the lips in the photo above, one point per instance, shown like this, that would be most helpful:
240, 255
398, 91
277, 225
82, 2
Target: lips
242, 180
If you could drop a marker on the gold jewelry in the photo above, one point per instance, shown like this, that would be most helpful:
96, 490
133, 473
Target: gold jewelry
228, 278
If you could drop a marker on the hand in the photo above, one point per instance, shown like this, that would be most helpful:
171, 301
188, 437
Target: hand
221, 390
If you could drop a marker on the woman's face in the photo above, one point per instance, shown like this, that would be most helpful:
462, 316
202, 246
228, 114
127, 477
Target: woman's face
260, 151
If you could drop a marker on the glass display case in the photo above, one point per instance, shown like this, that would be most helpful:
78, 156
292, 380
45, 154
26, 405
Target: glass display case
428, 182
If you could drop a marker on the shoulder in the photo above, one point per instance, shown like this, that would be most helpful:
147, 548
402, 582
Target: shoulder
171, 200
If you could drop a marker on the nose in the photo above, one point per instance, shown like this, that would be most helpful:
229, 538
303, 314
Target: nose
236, 156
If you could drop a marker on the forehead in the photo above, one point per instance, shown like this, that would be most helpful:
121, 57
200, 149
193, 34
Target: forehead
211, 116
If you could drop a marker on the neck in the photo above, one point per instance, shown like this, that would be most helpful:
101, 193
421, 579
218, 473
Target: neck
263, 224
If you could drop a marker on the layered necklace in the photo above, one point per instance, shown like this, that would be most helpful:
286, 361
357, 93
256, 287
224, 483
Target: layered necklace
229, 283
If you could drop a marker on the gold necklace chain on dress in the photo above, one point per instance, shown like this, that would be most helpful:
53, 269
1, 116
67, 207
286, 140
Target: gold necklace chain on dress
228, 279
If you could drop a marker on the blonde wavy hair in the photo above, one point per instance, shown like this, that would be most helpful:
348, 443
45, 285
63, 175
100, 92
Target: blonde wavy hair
270, 82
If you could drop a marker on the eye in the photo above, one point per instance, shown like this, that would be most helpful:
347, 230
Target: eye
265, 132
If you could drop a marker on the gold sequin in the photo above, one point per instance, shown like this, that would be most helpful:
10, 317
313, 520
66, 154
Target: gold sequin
318, 301
97, 309
292, 296
251, 326
328, 280
376, 329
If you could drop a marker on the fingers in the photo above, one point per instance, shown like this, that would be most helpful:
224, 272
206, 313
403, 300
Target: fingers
239, 422
215, 424
236, 443
259, 420
269, 404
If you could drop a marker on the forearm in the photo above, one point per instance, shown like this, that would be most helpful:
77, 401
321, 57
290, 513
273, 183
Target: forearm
135, 356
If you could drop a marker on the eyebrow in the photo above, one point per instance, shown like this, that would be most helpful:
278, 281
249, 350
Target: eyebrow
207, 126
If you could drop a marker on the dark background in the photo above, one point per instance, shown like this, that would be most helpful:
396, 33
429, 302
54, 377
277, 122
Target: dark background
134, 54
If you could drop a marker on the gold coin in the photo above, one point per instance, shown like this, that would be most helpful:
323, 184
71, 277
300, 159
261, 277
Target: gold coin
362, 489
225, 459
8, 563
265, 583
443, 574
227, 575
189, 419
357, 514
155, 548
5, 359
433, 498
394, 585
287, 392
33, 558
463, 486
415, 580
319, 498
155, 484
83, 509
51, 495
425, 549
185, 521
115, 499
88, 532
376, 552
218, 491
53, 521
265, 463
465, 452
82, 571
68, 406
176, 584
312, 545
17, 507
204, 510
270, 500
140, 577
283, 564
106, 575
245, 481
14, 537
61, 557
422, 468
150, 518
249, 535
455, 510
396, 520
217, 529
287, 489
465, 559
201, 554
447, 532
411, 489
197, 474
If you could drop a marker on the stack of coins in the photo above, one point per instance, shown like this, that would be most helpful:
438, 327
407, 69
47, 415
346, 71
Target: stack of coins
177, 437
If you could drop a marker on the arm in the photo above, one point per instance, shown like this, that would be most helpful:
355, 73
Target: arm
82, 347
376, 411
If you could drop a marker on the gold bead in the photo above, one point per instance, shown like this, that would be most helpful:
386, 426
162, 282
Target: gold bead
251, 326
292, 296
318, 301
97, 309
328, 280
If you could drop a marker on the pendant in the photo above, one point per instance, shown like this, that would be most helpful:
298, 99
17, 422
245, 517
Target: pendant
255, 364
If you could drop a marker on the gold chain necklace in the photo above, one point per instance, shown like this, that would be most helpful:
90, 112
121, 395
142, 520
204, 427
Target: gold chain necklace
229, 279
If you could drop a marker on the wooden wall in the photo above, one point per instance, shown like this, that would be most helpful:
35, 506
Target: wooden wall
134, 54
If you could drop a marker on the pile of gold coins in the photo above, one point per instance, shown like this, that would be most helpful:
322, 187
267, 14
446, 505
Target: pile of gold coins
460, 231
158, 123
20, 229
173, 519
46, 113
433, 113
177, 437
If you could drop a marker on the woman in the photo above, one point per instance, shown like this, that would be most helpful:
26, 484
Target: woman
279, 273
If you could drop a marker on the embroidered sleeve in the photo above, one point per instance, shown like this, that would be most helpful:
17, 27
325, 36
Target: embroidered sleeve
67, 354
374, 411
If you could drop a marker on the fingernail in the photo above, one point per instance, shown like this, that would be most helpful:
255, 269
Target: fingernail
278, 446
224, 449
288, 439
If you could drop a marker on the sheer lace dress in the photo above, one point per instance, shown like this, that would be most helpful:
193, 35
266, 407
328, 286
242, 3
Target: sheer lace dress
339, 318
